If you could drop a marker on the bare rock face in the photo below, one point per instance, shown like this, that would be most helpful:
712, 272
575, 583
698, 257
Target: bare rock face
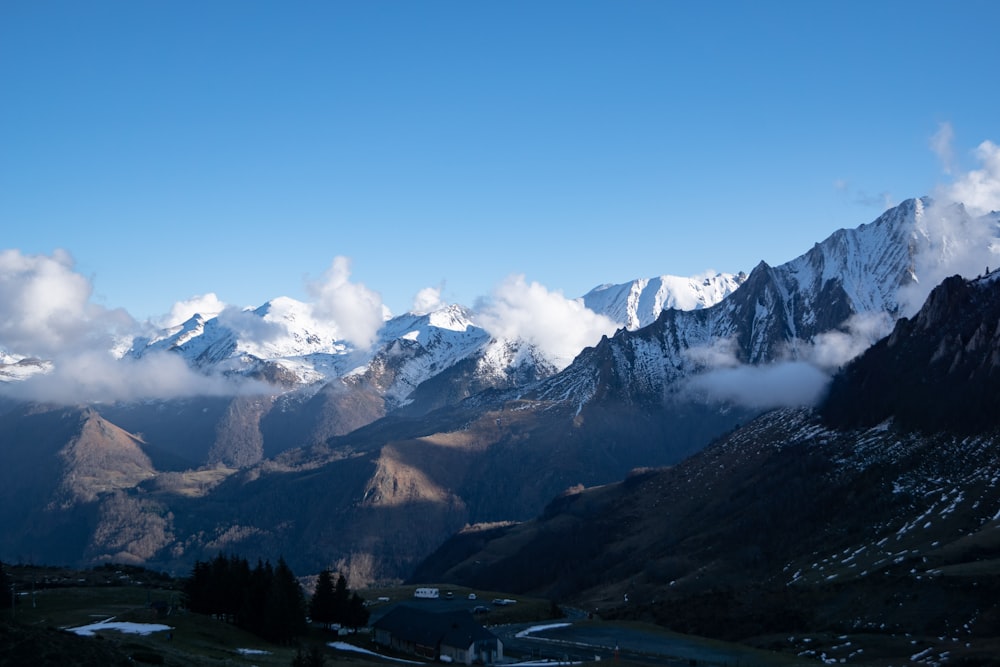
871, 518
945, 366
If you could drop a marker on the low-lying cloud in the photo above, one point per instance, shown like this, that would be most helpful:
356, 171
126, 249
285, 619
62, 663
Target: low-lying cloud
46, 312
781, 384
559, 327
93, 376
800, 378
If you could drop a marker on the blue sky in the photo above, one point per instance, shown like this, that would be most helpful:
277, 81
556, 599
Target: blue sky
179, 148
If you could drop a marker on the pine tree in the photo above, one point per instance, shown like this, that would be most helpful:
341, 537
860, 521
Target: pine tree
323, 605
286, 606
253, 615
357, 613
341, 601
196, 588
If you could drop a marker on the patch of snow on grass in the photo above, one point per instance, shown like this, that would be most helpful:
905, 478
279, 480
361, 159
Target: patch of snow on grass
120, 626
344, 646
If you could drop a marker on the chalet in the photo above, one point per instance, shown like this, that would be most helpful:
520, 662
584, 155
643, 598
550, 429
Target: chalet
453, 636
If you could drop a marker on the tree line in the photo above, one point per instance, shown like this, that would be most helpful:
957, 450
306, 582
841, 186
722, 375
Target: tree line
268, 600
333, 603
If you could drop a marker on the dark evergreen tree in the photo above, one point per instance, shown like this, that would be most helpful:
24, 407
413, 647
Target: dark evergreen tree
217, 585
357, 613
286, 606
196, 588
265, 601
341, 601
253, 615
323, 605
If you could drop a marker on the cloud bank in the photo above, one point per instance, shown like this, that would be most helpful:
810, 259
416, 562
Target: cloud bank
93, 376
559, 327
799, 379
46, 312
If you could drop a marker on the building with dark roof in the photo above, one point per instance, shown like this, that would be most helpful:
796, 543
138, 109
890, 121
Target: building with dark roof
453, 636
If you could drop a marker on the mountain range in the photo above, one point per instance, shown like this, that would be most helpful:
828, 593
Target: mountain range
865, 530
367, 460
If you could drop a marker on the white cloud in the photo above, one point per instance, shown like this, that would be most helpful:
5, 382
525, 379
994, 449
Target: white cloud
559, 327
719, 353
781, 384
356, 310
955, 236
426, 301
95, 376
207, 305
832, 349
941, 145
799, 379
46, 312
250, 327
953, 242
979, 189
45, 306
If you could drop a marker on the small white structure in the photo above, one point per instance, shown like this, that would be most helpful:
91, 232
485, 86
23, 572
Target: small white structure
428, 593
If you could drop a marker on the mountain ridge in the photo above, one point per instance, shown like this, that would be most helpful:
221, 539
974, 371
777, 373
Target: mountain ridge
847, 541
472, 428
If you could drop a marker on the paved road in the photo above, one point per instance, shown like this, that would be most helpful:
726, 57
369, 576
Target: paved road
584, 640
607, 641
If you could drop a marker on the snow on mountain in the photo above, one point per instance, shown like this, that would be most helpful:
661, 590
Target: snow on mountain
698, 323
413, 348
283, 333
17, 367
789, 312
639, 302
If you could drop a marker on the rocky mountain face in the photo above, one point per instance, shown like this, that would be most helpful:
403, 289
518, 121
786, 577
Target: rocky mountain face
946, 363
367, 461
865, 530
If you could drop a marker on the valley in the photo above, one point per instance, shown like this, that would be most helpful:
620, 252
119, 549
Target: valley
801, 460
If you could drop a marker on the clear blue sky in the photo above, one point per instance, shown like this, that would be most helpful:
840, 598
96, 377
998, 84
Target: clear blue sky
178, 148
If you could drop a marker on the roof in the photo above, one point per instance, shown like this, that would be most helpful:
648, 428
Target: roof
452, 628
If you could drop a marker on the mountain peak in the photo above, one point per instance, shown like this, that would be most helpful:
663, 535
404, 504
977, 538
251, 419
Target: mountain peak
639, 303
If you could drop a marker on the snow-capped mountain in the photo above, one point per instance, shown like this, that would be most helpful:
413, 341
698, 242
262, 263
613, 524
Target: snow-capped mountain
284, 343
282, 333
865, 527
409, 426
639, 302
782, 313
